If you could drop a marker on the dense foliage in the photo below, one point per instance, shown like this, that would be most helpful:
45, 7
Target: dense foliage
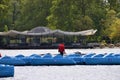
68, 15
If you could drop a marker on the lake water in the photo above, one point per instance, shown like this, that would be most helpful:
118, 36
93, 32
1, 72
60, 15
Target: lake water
75, 72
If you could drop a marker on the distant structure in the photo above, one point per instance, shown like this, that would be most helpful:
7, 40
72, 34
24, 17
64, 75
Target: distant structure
42, 38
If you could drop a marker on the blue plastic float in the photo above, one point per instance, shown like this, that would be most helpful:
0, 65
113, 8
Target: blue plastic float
94, 60
103, 59
6, 70
61, 60
71, 59
12, 61
77, 58
26, 59
110, 59
47, 59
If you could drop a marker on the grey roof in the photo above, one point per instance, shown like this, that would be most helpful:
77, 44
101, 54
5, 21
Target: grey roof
38, 31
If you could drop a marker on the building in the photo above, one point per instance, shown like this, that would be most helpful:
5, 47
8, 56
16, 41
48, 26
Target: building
43, 38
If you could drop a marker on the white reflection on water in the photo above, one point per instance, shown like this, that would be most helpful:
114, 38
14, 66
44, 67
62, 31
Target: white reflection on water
27, 52
78, 72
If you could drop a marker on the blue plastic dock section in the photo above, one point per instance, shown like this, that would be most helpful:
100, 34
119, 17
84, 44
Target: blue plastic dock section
12, 61
71, 59
6, 71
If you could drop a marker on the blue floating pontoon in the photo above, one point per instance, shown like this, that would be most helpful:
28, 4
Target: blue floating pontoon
94, 60
71, 59
11, 61
61, 60
47, 59
77, 58
6, 70
88, 55
111, 59
103, 59
26, 59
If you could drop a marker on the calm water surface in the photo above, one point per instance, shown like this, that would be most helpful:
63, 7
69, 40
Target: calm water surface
75, 72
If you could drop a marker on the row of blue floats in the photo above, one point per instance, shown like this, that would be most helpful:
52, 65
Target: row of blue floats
6, 70
71, 59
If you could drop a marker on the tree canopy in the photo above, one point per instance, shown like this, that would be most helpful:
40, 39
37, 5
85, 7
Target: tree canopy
68, 15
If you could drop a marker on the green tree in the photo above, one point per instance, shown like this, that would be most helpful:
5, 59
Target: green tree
68, 14
112, 25
34, 14
61, 15
115, 30
13, 13
5, 28
3, 13
84, 23
97, 12
114, 4
83, 6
